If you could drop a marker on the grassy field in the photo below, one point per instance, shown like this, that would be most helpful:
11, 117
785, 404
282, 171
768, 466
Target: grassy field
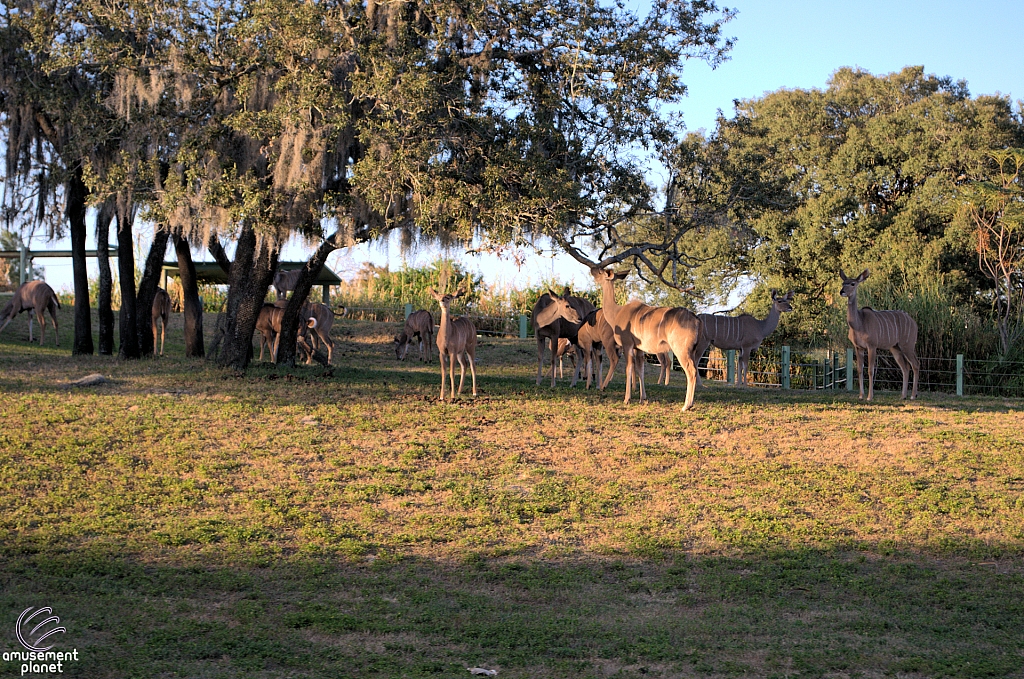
187, 521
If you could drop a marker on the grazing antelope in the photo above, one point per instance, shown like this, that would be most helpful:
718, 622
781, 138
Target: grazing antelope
744, 332
554, 317
420, 324
872, 330
161, 312
456, 338
285, 281
639, 327
564, 345
319, 319
269, 318
34, 296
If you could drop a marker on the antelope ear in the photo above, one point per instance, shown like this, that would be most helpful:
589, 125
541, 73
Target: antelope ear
789, 296
863, 276
843, 275
774, 293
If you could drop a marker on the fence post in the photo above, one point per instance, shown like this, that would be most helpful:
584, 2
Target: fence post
784, 377
849, 370
730, 366
522, 326
408, 310
959, 374
24, 257
835, 369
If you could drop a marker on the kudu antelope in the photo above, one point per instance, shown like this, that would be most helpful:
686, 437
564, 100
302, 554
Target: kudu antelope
456, 339
34, 296
872, 330
420, 324
285, 282
744, 333
641, 328
556, 316
269, 319
317, 319
596, 335
161, 312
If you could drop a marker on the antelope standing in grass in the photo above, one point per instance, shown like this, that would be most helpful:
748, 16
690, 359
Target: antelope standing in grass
161, 312
34, 296
744, 332
872, 330
420, 324
639, 327
554, 317
269, 318
456, 338
317, 319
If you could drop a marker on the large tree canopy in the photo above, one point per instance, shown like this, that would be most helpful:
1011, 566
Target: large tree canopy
340, 120
865, 173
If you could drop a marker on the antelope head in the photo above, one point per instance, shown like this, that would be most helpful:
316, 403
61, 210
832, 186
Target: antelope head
559, 308
601, 275
445, 300
781, 303
850, 284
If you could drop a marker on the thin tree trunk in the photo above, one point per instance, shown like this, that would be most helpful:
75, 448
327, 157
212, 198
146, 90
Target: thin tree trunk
221, 257
75, 211
147, 290
290, 320
251, 275
106, 315
192, 306
128, 318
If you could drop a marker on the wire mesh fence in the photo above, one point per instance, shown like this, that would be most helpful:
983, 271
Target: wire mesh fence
837, 370
785, 368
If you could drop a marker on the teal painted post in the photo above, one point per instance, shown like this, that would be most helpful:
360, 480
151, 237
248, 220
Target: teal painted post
408, 308
849, 370
785, 368
959, 374
730, 366
24, 258
522, 326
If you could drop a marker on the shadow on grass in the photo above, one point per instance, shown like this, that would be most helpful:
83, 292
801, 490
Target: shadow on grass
812, 613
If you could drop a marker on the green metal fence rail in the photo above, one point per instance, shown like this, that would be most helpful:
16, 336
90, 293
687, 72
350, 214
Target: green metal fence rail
835, 370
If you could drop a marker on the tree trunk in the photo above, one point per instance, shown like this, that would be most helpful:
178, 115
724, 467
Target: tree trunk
290, 320
106, 315
147, 290
75, 211
192, 306
251, 275
221, 257
128, 318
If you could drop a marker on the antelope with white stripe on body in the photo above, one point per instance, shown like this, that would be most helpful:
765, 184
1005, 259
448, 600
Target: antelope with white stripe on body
639, 327
872, 330
744, 333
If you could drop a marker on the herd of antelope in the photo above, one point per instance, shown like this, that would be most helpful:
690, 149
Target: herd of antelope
635, 329
562, 323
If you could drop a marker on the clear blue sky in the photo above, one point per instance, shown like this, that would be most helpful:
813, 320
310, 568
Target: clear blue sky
792, 44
